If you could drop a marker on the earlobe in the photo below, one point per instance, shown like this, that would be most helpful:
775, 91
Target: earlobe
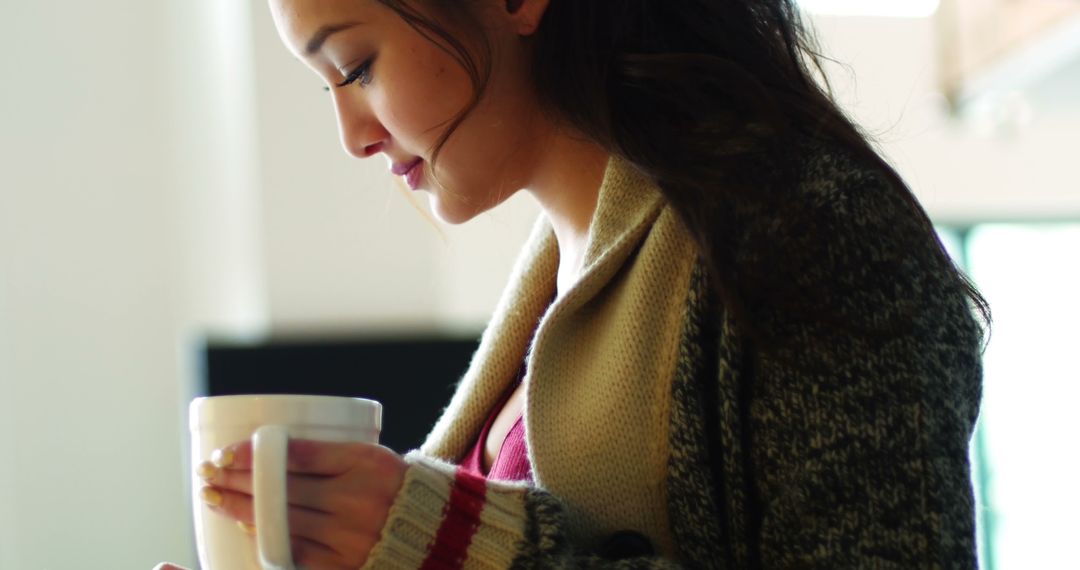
526, 14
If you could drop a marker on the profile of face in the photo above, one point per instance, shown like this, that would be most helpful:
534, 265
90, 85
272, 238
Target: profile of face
395, 92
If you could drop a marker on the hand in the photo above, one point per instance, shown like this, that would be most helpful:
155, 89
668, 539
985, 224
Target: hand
339, 496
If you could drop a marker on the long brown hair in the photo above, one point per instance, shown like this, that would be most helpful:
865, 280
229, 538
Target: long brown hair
707, 97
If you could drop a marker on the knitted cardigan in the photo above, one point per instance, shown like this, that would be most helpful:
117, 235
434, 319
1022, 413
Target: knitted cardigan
649, 412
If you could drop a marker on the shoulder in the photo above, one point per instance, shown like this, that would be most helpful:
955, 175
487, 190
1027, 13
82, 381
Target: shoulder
838, 190
842, 208
848, 244
836, 207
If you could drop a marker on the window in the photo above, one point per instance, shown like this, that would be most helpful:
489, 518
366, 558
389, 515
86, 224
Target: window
1025, 463
891, 8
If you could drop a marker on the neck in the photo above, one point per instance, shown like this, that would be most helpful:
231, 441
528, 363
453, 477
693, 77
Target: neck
567, 186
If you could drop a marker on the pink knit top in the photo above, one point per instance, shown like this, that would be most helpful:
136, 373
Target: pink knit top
512, 461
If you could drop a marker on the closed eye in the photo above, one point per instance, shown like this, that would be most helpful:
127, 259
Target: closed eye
362, 74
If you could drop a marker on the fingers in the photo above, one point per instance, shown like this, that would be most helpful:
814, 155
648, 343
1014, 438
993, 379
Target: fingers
300, 490
319, 539
305, 456
324, 527
310, 554
306, 523
339, 494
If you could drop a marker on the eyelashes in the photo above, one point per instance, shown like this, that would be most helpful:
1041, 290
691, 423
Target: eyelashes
361, 74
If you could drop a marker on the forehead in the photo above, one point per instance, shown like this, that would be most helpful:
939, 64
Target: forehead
297, 20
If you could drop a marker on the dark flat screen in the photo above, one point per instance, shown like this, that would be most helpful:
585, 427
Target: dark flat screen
412, 377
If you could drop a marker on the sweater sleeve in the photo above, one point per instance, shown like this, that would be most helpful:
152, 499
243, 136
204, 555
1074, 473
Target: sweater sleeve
860, 412
445, 518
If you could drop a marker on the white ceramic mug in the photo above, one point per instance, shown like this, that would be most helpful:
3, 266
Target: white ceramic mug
269, 421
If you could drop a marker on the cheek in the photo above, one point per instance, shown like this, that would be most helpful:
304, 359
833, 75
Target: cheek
421, 95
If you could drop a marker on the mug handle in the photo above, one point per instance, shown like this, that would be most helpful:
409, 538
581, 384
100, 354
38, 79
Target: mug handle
269, 449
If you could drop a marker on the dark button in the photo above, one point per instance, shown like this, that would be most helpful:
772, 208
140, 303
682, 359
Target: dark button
626, 544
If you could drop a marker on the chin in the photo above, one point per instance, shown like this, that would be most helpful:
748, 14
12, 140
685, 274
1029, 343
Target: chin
449, 214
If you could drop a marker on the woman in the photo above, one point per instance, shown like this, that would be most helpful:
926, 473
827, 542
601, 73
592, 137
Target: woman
732, 340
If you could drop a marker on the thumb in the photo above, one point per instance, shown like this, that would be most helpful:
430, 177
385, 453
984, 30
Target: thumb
167, 566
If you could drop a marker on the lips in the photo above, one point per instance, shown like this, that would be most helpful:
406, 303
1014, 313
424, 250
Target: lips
402, 168
413, 176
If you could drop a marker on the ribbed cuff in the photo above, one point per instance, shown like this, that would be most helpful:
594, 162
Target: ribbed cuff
443, 518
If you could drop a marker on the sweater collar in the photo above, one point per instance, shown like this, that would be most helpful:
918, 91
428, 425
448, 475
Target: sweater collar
628, 204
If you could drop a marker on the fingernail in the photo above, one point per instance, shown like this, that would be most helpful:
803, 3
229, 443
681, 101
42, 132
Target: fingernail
206, 470
248, 528
211, 497
222, 457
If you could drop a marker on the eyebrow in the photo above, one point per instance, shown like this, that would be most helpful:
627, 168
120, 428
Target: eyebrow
316, 42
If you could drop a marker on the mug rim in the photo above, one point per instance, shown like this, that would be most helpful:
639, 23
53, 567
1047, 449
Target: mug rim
276, 396
331, 410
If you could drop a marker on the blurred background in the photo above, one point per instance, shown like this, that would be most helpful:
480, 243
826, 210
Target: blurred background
177, 218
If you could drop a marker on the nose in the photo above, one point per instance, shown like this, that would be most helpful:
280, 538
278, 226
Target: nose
362, 134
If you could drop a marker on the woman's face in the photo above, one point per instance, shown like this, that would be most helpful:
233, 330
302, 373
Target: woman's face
407, 91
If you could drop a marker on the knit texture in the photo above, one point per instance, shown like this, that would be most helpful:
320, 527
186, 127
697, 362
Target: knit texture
830, 449
604, 355
412, 531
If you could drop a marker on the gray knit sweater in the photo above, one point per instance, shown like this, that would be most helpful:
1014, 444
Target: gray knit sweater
837, 450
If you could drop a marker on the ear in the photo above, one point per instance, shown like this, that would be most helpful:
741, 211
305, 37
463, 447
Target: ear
525, 15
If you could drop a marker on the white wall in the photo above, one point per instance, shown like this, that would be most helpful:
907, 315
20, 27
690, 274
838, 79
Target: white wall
164, 173
213, 164
9, 543
962, 170
89, 376
127, 225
